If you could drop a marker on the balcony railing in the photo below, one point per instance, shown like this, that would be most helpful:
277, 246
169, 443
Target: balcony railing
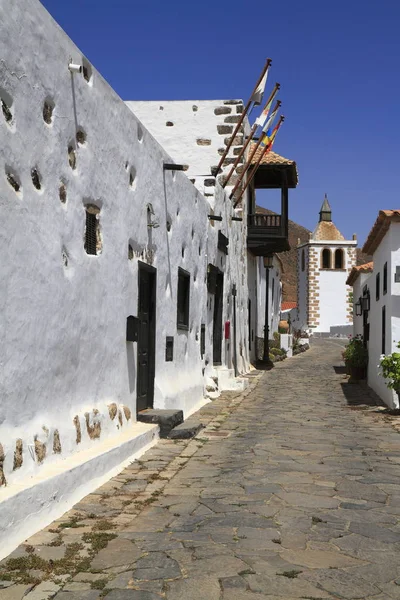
266, 234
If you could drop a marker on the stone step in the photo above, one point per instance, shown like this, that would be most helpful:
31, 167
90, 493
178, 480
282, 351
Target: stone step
165, 419
186, 430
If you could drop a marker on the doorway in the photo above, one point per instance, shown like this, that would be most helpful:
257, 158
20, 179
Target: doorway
217, 322
147, 334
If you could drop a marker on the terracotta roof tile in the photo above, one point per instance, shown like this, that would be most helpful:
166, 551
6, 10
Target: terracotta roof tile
270, 158
356, 271
379, 229
288, 305
326, 230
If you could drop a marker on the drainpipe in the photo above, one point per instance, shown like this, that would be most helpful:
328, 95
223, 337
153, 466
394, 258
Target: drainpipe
234, 330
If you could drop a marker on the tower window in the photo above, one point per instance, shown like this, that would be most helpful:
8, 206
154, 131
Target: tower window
183, 299
326, 259
92, 230
303, 260
339, 259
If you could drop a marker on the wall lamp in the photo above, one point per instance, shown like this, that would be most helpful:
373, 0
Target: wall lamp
359, 310
268, 261
365, 303
173, 167
75, 68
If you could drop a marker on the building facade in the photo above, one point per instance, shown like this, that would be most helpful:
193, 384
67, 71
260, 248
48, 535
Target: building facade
324, 262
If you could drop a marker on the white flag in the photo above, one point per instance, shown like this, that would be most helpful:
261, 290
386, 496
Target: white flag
258, 94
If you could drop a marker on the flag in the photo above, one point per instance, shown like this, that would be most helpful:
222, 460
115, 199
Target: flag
269, 136
259, 91
263, 117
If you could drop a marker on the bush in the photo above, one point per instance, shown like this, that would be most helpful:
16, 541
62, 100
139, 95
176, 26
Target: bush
390, 369
355, 354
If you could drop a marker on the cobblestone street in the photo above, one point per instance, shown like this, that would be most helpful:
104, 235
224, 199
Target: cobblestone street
291, 491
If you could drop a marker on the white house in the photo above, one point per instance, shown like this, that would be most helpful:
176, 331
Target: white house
323, 265
123, 286
359, 280
379, 291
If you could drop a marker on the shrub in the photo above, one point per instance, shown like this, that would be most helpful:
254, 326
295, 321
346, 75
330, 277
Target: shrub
390, 369
356, 354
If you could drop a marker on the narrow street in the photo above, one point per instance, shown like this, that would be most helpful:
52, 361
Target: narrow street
291, 491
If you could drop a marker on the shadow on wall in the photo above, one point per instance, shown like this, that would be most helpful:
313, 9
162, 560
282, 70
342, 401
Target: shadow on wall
131, 364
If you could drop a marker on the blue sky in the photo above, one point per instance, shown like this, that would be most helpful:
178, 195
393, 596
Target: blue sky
337, 62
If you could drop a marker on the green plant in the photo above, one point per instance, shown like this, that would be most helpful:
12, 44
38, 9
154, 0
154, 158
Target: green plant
356, 354
390, 369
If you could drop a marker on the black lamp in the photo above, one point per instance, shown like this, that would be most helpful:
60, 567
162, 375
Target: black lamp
358, 308
365, 303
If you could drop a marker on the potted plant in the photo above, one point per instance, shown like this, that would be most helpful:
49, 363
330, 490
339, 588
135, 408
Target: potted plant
355, 356
390, 370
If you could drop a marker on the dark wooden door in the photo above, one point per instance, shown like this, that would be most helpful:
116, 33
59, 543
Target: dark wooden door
217, 323
146, 342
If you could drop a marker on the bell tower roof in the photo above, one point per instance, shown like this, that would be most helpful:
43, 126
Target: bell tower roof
325, 214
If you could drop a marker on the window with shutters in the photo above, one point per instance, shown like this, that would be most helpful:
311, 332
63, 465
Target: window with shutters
93, 244
183, 299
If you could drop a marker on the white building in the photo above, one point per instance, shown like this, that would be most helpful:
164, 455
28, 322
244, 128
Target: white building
377, 291
323, 265
123, 286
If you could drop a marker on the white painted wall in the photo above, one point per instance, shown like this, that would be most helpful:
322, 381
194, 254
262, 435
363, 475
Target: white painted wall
362, 280
274, 296
388, 251
194, 138
63, 327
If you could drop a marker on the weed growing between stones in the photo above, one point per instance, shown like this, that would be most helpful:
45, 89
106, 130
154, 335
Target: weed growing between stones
290, 574
98, 540
103, 525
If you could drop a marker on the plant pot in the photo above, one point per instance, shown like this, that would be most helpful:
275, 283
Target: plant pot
356, 373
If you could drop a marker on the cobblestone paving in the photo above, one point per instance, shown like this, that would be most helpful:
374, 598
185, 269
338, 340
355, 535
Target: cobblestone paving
291, 491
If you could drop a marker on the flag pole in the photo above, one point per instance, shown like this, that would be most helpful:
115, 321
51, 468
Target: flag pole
244, 113
252, 132
263, 153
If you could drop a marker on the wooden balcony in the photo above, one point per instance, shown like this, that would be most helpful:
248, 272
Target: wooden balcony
267, 234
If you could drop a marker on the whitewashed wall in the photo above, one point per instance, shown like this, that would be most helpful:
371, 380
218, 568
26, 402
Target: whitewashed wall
362, 280
274, 297
388, 251
63, 312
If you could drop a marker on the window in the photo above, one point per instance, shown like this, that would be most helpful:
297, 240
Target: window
385, 278
326, 259
183, 299
339, 259
377, 286
92, 231
303, 260
383, 329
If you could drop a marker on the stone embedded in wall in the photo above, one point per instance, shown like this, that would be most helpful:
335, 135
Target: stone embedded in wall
36, 178
120, 419
77, 424
222, 110
18, 454
237, 151
240, 108
233, 102
93, 426
209, 182
56, 442
40, 450
195, 108
203, 142
62, 190
224, 129
232, 119
228, 161
81, 136
240, 169
169, 124
3, 480
112, 410
48, 108
127, 412
6, 111
71, 157
237, 140
13, 181
232, 181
